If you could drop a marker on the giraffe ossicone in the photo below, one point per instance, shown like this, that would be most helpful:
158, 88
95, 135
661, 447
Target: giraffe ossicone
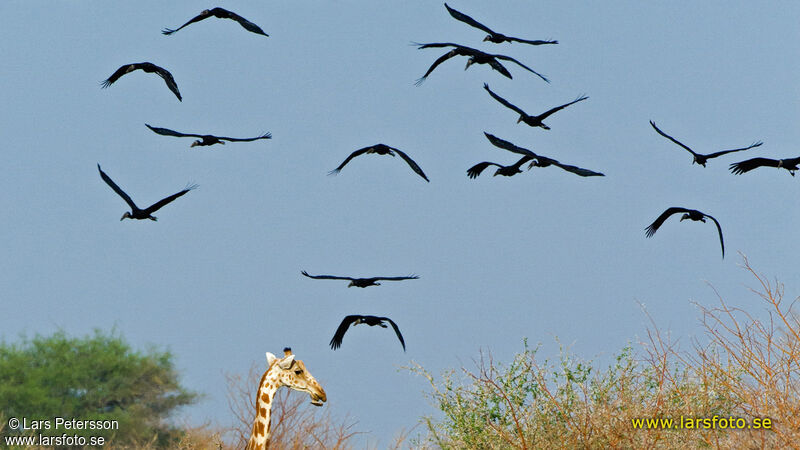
286, 371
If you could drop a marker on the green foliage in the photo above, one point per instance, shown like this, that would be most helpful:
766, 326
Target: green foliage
566, 404
94, 377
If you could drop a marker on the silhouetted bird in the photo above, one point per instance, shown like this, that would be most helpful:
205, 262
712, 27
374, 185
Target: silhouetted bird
698, 158
207, 139
381, 149
538, 160
360, 282
691, 214
136, 212
534, 121
475, 57
222, 14
506, 171
147, 67
497, 38
354, 320
789, 164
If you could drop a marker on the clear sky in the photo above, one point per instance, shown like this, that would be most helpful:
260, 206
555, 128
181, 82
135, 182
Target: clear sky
541, 255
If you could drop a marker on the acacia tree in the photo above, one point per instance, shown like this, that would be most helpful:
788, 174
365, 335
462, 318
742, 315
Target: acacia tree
94, 377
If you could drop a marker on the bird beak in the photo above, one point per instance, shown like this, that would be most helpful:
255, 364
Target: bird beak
195, 143
486, 38
519, 120
125, 216
469, 63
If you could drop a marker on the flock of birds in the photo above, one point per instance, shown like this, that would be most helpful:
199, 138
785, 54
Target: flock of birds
526, 156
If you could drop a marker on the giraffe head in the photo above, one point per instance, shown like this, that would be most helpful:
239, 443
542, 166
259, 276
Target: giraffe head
292, 373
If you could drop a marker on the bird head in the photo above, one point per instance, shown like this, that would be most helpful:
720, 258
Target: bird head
684, 217
352, 283
470, 62
487, 38
196, 143
127, 215
497, 172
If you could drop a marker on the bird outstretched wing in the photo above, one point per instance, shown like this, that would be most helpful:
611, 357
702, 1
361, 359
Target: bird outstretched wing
508, 58
503, 101
578, 170
197, 18
117, 189
115, 76
169, 80
467, 19
475, 171
441, 45
246, 24
545, 114
653, 124
414, 166
724, 152
435, 64
396, 330
497, 142
526, 41
325, 277
741, 167
168, 132
336, 340
719, 230
159, 204
263, 136
410, 277
347, 160
653, 227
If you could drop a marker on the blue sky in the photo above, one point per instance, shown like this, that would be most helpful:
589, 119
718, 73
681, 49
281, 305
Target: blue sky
541, 255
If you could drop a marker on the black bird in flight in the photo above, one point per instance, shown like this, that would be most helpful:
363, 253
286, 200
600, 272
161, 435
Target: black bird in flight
147, 67
354, 320
506, 171
691, 214
360, 282
789, 164
497, 38
207, 139
698, 158
222, 14
475, 57
534, 121
381, 149
137, 213
538, 160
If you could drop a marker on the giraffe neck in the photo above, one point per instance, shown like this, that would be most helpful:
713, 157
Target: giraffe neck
259, 438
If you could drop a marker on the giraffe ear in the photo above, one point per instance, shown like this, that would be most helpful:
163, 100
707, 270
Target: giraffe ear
270, 359
287, 362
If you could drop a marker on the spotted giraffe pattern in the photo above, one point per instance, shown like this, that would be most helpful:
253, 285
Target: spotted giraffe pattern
280, 372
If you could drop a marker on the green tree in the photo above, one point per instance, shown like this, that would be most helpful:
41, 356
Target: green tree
96, 377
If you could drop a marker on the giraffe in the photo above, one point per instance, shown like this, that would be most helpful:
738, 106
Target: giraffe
288, 372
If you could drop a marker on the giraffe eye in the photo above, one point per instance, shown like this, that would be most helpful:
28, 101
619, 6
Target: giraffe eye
298, 371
